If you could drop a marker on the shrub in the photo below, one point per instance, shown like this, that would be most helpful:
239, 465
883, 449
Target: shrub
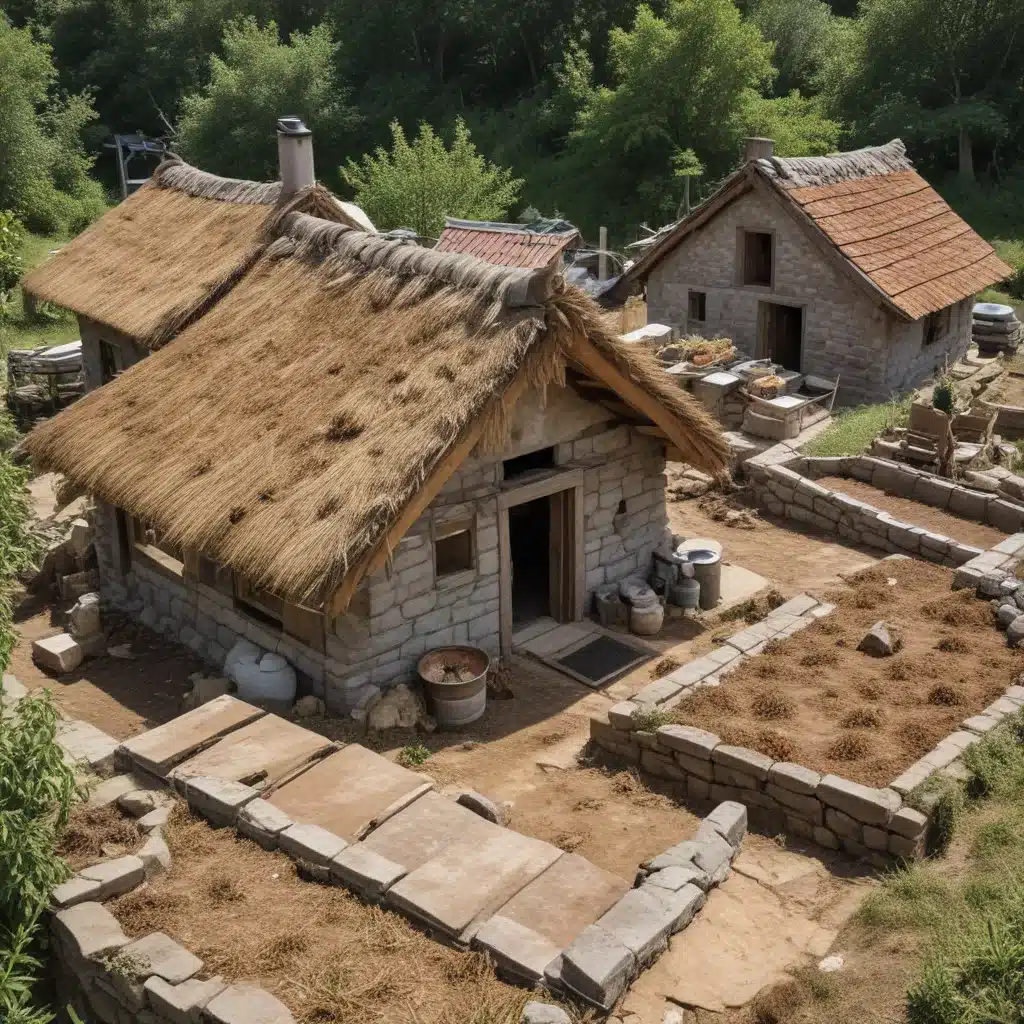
413, 755
942, 396
649, 719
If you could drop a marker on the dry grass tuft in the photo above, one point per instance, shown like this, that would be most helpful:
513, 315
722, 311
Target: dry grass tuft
774, 744
944, 695
777, 1005
871, 690
830, 627
772, 705
961, 609
223, 889
663, 667
774, 646
953, 644
850, 746
870, 596
90, 829
898, 670
820, 657
863, 718
711, 698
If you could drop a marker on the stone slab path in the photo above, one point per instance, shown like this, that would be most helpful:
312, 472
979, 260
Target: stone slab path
349, 791
160, 749
263, 752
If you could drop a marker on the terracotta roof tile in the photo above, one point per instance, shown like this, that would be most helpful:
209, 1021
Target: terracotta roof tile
504, 247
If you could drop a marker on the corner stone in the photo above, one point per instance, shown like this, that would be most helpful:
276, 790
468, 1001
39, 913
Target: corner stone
866, 805
597, 966
729, 820
90, 930
246, 1004
163, 957
181, 1003
116, 876
311, 843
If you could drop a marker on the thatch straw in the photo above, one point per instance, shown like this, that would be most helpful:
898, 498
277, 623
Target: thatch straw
157, 261
285, 431
813, 171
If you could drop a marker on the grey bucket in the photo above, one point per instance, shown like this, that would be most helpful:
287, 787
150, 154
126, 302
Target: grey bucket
686, 593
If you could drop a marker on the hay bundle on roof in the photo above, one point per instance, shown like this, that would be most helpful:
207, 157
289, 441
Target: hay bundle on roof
155, 262
285, 431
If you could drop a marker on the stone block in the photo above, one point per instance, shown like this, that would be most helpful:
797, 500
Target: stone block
246, 1004
111, 790
695, 743
74, 891
262, 822
660, 765
675, 876
154, 854
155, 819
909, 823
60, 653
733, 778
621, 715
905, 848
823, 837
116, 876
181, 1004
713, 854
968, 504
159, 955
365, 872
218, 800
875, 838
696, 787
659, 692
518, 951
842, 824
696, 766
543, 1013
310, 843
729, 820
680, 855
749, 762
932, 491
799, 804
89, 931
643, 920
794, 777
597, 966
869, 806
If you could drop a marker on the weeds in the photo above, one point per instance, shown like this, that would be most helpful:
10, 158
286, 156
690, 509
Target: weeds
854, 430
649, 719
413, 756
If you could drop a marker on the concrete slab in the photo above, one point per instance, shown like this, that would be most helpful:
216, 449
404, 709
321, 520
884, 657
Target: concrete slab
349, 791
470, 879
265, 751
555, 640
738, 585
160, 749
424, 828
532, 630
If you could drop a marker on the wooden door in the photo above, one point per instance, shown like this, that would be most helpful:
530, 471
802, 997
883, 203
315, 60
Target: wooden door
782, 328
562, 555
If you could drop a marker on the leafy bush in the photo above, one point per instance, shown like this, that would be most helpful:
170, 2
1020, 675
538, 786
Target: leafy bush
11, 236
942, 396
413, 755
650, 719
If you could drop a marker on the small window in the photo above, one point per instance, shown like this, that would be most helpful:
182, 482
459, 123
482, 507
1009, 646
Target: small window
108, 362
149, 535
303, 624
259, 603
698, 307
757, 258
529, 463
453, 548
936, 325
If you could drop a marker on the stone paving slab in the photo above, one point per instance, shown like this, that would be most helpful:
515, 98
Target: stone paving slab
543, 918
83, 742
470, 879
348, 791
265, 751
424, 828
160, 749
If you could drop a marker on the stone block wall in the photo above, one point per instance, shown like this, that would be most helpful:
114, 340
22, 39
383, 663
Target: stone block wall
846, 333
127, 352
784, 483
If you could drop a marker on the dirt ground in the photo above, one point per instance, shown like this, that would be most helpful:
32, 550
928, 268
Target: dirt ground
120, 696
325, 954
1007, 391
967, 531
816, 700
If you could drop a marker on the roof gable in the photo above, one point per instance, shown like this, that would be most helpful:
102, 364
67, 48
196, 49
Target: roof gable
875, 215
294, 430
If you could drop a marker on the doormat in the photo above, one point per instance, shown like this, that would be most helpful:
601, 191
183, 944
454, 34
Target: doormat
602, 658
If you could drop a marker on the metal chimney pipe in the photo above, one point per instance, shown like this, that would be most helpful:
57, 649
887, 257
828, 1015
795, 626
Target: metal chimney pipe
758, 149
294, 155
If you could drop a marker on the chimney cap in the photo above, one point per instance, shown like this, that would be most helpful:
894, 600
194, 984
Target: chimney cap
292, 125
758, 149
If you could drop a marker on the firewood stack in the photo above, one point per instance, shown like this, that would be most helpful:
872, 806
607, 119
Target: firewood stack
995, 328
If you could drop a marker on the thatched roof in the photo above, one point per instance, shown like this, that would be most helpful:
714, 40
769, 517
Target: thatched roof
872, 213
294, 430
155, 262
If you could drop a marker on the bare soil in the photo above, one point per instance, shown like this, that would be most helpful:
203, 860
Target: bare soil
1008, 390
816, 700
967, 531
325, 954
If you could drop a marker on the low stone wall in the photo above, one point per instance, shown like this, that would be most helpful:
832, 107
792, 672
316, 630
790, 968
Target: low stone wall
784, 483
1009, 418
872, 824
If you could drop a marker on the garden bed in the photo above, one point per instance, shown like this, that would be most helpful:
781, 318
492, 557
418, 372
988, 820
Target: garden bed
814, 699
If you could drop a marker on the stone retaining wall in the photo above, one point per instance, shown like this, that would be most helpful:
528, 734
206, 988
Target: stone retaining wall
784, 483
872, 824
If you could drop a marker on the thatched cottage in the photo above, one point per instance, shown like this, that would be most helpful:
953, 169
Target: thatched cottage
846, 266
363, 449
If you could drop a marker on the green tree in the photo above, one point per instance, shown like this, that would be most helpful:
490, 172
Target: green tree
802, 31
946, 74
796, 123
420, 183
228, 127
44, 169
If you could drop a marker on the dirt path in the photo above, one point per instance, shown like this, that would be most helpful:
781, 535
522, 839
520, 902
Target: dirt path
914, 512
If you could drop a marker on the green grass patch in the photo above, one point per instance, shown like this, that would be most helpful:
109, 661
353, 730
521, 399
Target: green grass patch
855, 429
413, 755
650, 719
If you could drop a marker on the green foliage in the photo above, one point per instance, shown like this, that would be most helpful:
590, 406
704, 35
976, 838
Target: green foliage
418, 184
12, 237
796, 123
854, 429
44, 170
802, 31
942, 396
229, 126
413, 756
996, 764
648, 719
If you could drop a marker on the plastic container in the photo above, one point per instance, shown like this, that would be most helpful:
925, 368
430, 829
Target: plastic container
686, 593
455, 683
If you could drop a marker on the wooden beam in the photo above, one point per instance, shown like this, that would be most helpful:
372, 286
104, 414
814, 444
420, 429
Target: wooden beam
651, 431
440, 475
584, 352
620, 408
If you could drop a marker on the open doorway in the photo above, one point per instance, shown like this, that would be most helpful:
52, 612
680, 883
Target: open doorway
782, 332
529, 533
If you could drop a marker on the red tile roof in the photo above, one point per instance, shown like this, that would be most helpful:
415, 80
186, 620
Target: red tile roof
904, 237
505, 245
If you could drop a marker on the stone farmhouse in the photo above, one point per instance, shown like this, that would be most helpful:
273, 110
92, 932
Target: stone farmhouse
349, 449
846, 266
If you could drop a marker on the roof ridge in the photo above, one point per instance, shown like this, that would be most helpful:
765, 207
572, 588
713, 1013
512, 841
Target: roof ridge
174, 173
317, 240
505, 227
812, 171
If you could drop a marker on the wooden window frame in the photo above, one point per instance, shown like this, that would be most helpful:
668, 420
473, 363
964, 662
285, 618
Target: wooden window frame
695, 297
935, 325
742, 261
150, 553
110, 361
442, 529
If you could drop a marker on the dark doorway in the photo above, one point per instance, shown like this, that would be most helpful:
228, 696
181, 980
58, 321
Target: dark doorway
529, 533
782, 331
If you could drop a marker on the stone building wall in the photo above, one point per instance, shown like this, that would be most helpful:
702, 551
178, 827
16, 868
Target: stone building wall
402, 610
126, 351
846, 333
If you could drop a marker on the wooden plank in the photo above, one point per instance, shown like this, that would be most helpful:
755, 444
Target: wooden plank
504, 584
580, 582
651, 431
563, 481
